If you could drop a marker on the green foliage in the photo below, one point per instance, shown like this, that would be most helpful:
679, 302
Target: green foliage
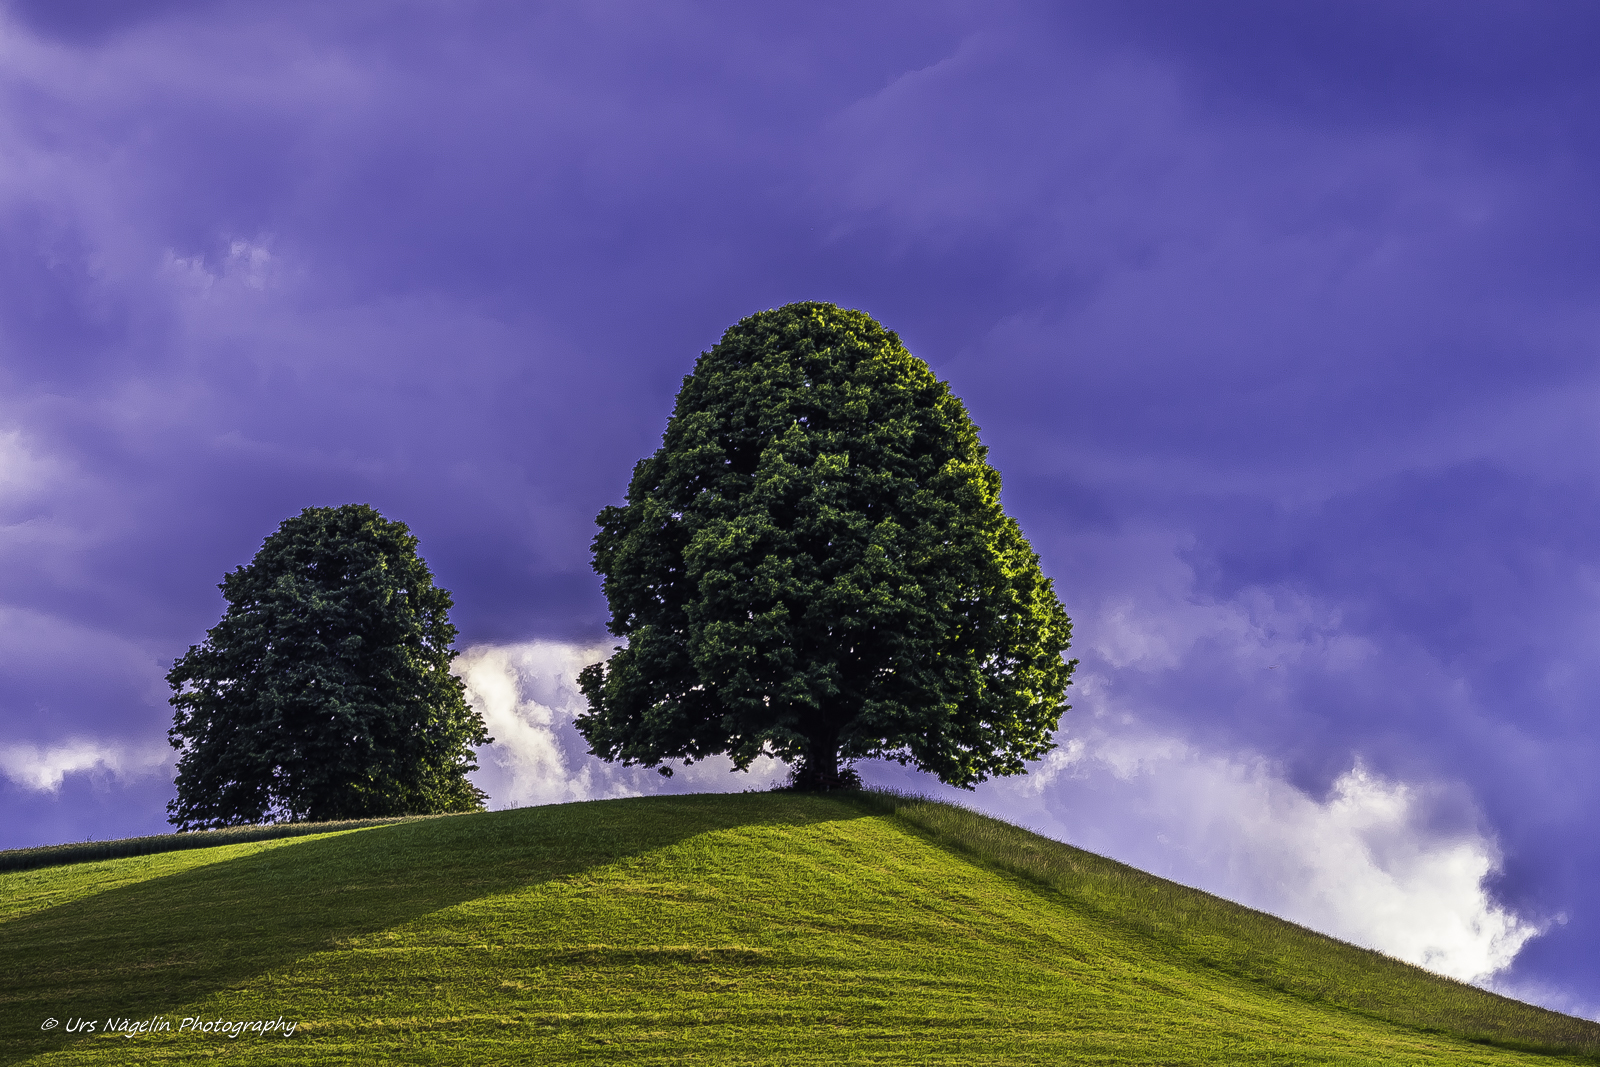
325, 692
815, 564
751, 929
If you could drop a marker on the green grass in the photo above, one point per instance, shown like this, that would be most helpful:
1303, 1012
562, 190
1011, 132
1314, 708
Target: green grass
759, 928
26, 859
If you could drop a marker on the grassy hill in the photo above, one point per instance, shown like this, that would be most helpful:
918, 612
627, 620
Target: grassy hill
757, 928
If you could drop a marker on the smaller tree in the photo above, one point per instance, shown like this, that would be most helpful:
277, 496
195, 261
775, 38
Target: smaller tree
325, 692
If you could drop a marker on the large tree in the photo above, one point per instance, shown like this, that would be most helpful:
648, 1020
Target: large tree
815, 564
325, 692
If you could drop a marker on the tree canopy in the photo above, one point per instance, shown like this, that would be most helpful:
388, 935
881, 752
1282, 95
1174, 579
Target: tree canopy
815, 564
325, 692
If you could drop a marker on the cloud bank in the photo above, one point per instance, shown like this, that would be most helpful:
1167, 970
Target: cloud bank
44, 769
528, 695
1387, 865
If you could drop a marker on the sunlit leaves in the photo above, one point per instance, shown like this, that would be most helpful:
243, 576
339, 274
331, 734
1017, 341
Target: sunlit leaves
815, 564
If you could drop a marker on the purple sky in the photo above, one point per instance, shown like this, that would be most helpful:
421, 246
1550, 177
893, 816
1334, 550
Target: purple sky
1280, 320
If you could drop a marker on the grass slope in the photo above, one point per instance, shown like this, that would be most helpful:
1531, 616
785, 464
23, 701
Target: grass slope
759, 928
26, 859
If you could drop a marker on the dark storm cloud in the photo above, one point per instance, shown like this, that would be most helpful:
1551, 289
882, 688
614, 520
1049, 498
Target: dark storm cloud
1280, 323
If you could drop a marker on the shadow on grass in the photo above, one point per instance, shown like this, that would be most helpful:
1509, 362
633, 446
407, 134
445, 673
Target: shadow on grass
149, 948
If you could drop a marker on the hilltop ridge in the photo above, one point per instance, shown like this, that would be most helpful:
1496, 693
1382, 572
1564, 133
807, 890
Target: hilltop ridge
712, 928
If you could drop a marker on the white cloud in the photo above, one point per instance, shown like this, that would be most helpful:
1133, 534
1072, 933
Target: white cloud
1156, 619
45, 769
1365, 863
528, 695
525, 693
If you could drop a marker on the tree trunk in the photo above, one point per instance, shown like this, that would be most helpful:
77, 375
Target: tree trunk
819, 770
